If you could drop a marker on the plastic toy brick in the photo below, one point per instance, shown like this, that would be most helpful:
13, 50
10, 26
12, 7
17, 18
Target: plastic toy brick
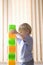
12, 35
11, 62
12, 42
12, 49
12, 27
12, 56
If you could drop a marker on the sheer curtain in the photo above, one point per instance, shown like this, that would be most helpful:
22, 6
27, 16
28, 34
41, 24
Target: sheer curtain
37, 26
3, 30
17, 12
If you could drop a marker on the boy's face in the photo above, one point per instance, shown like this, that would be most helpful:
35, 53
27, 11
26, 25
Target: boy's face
24, 33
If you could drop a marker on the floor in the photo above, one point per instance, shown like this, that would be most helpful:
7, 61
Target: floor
34, 64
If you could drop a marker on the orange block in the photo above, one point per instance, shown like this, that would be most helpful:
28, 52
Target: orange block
11, 62
12, 48
12, 35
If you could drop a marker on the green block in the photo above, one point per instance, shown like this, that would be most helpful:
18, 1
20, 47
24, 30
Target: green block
12, 27
12, 42
11, 56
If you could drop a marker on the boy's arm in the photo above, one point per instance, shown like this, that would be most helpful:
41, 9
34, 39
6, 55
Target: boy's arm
15, 32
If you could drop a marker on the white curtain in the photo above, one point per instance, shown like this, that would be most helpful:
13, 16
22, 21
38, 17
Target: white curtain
37, 25
17, 12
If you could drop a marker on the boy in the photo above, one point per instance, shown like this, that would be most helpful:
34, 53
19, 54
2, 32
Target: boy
25, 42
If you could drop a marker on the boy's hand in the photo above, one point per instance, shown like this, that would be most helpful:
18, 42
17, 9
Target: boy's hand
13, 31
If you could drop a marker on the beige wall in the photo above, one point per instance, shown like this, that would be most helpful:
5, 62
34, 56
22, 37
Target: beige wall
17, 12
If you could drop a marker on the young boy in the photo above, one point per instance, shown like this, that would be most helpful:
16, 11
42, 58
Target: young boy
25, 42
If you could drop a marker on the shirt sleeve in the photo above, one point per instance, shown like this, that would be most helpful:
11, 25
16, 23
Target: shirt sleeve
18, 38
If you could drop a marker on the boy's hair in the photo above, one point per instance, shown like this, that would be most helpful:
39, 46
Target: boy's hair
25, 27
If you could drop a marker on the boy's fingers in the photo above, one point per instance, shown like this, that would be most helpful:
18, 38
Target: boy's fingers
13, 31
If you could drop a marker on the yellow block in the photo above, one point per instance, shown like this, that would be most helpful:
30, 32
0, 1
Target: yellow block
11, 62
12, 35
12, 49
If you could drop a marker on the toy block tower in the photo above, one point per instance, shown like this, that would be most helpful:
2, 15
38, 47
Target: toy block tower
12, 46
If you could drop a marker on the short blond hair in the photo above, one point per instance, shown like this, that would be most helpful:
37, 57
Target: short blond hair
25, 27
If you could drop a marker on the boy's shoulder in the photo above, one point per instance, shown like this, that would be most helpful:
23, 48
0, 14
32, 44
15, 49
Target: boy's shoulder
28, 38
31, 37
